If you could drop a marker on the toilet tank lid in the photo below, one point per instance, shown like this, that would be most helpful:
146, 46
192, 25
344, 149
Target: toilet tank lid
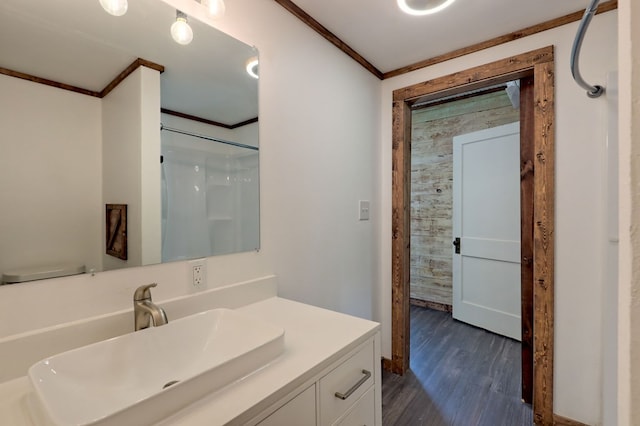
41, 273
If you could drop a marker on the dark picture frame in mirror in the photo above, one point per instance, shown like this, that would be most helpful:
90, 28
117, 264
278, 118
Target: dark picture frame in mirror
116, 230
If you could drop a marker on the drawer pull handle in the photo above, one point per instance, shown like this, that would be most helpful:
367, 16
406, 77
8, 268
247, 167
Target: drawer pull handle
355, 387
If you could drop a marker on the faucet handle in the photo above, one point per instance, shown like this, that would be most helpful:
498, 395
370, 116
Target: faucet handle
143, 292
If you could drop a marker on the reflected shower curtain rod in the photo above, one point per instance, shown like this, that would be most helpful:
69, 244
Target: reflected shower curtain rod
592, 91
209, 138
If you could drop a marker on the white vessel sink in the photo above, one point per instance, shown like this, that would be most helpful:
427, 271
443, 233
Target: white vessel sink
143, 377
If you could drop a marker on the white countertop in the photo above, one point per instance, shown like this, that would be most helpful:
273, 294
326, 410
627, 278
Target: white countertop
314, 339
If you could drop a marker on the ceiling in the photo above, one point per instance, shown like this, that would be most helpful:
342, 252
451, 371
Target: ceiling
390, 39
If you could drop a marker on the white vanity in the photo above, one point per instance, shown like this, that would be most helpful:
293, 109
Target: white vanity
328, 372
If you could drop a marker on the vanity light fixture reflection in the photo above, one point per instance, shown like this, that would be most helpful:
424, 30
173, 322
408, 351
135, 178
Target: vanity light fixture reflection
423, 7
115, 7
215, 8
253, 67
180, 30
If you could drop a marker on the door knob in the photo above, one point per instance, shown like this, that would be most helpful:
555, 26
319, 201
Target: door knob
456, 244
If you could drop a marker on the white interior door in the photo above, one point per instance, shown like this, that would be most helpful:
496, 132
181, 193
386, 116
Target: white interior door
486, 218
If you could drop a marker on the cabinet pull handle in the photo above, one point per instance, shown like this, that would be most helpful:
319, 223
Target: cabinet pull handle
355, 387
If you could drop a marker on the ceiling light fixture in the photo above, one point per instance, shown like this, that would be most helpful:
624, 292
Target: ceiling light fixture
423, 7
215, 8
180, 30
115, 7
253, 67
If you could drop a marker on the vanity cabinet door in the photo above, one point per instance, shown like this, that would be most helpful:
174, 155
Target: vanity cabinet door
300, 411
346, 384
362, 413
347, 393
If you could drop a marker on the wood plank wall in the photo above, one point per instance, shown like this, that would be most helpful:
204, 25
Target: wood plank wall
432, 132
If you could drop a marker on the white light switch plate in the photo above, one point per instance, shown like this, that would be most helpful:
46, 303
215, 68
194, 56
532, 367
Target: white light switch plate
364, 210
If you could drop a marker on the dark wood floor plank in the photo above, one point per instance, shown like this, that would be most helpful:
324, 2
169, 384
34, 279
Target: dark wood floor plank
460, 376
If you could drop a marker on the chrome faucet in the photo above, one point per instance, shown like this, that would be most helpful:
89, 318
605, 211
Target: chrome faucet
145, 311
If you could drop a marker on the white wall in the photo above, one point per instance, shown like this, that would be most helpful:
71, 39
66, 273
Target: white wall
49, 137
150, 166
580, 234
121, 163
318, 139
131, 163
629, 263
610, 290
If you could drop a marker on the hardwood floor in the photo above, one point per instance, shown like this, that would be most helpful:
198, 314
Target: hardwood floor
460, 375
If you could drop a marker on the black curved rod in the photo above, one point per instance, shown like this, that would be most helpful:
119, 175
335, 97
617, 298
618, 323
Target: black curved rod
592, 91
209, 138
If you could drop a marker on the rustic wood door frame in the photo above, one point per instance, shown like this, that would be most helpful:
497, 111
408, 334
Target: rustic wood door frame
539, 66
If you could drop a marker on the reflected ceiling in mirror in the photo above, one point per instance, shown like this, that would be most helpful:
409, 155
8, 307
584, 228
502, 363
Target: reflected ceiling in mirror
58, 171
77, 43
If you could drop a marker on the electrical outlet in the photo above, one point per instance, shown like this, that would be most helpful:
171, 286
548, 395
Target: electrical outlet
198, 273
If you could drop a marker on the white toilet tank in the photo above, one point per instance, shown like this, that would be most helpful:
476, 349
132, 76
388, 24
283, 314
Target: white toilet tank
41, 273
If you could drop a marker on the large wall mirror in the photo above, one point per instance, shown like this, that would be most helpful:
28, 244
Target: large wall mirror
119, 146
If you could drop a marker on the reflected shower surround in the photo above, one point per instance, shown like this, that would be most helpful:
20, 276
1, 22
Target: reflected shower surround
210, 199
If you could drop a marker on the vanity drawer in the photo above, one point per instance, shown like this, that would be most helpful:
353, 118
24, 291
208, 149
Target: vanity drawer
351, 380
300, 411
362, 413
